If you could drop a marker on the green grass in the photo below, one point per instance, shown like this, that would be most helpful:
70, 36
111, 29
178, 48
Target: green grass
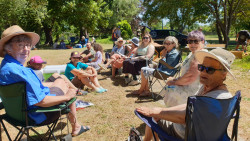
105, 41
243, 64
47, 75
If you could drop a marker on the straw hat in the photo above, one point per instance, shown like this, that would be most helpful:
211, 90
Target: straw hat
14, 31
120, 39
225, 57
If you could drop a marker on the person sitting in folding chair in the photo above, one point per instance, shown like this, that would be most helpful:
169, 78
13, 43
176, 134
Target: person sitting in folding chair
169, 55
15, 45
214, 67
144, 53
188, 82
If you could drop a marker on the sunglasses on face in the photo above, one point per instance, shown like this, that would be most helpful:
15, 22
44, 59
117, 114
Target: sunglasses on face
145, 37
193, 41
167, 43
209, 70
75, 57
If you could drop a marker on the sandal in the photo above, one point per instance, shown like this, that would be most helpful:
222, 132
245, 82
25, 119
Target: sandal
82, 130
144, 94
136, 92
81, 92
134, 135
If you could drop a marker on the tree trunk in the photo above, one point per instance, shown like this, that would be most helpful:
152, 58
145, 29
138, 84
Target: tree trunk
218, 32
48, 35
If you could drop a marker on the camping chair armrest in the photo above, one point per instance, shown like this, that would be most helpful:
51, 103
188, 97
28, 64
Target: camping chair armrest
55, 108
166, 64
177, 66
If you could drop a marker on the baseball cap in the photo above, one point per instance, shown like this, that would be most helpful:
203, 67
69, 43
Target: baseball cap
75, 54
37, 59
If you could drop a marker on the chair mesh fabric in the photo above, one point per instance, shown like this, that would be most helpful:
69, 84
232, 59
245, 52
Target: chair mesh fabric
12, 97
207, 118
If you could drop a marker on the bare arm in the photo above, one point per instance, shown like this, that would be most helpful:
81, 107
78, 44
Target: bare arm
174, 114
91, 70
78, 73
189, 77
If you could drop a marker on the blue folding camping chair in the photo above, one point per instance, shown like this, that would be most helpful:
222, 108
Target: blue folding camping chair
207, 119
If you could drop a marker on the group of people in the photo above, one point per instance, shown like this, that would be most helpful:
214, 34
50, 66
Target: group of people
202, 73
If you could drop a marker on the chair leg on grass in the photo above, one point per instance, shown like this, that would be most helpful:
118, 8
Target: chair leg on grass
5, 131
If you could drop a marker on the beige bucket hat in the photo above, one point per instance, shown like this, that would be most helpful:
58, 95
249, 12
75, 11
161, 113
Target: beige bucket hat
14, 31
120, 39
225, 57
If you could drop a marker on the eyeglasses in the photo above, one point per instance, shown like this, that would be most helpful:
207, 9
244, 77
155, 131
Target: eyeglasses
193, 41
145, 38
120, 41
22, 46
209, 70
167, 43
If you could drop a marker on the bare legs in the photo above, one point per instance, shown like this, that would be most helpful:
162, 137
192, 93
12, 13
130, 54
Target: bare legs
148, 134
61, 82
144, 85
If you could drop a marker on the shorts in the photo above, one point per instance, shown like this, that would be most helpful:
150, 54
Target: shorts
147, 71
244, 43
168, 127
77, 82
50, 117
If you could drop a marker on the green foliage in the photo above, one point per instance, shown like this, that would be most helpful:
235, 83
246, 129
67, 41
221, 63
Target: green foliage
126, 31
124, 10
180, 13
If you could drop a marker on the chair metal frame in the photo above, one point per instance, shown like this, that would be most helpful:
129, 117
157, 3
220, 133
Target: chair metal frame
27, 124
158, 75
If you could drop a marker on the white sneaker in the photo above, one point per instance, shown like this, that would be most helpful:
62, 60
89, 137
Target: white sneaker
102, 66
127, 80
133, 83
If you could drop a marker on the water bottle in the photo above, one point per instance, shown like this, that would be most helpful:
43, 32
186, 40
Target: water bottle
131, 55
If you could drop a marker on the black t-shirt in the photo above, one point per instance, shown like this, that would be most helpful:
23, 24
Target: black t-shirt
244, 35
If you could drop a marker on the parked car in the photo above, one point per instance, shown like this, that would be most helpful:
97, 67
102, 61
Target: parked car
160, 35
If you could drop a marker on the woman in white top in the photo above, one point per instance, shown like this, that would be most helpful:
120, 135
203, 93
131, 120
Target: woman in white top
145, 51
188, 83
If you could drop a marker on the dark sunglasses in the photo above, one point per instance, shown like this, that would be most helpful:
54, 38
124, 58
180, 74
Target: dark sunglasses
193, 41
167, 43
76, 57
145, 37
209, 70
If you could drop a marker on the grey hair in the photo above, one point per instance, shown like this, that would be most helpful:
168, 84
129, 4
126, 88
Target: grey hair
173, 40
16, 39
196, 34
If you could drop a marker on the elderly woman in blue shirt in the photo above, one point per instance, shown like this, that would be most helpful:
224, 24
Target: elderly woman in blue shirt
15, 46
169, 55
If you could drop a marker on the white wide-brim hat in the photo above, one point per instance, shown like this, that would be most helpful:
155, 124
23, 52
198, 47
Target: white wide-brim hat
120, 39
14, 31
225, 57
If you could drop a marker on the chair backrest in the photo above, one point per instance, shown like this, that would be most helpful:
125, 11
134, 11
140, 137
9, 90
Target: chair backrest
208, 118
13, 98
162, 75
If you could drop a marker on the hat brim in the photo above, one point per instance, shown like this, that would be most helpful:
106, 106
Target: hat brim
200, 55
34, 38
134, 43
122, 43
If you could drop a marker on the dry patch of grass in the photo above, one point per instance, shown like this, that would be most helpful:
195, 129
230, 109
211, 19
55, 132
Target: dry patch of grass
112, 115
